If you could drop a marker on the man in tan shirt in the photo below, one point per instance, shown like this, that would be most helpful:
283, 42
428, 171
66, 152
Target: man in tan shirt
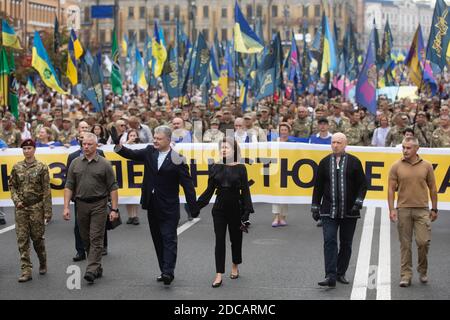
413, 179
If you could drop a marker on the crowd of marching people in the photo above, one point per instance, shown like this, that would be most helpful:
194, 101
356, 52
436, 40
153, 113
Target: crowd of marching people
53, 120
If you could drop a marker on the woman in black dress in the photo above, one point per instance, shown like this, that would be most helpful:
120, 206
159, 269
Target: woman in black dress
232, 207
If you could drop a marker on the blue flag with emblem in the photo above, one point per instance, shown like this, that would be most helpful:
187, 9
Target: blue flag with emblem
438, 40
91, 81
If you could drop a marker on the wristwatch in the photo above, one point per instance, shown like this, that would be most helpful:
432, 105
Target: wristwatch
435, 210
115, 210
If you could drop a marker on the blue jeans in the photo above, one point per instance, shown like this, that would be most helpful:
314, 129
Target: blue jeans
336, 264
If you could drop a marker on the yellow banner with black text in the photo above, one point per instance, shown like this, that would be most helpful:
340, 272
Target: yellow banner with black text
278, 172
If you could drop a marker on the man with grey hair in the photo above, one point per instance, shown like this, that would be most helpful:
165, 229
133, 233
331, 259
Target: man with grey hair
413, 179
91, 181
339, 191
164, 171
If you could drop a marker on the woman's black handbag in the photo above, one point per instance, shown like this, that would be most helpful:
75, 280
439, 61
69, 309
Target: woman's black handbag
111, 225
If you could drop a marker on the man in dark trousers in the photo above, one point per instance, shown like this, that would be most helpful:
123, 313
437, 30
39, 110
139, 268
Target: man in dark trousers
339, 191
91, 181
81, 254
164, 171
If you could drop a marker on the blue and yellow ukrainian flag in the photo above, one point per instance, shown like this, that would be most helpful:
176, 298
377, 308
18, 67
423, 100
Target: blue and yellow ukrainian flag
329, 61
245, 39
159, 52
10, 39
77, 47
41, 62
140, 71
243, 96
30, 86
72, 71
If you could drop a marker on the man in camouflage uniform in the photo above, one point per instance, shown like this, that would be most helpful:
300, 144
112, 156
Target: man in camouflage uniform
423, 130
396, 134
441, 136
265, 122
338, 123
68, 134
213, 135
357, 134
443, 111
30, 191
321, 112
302, 125
9, 134
252, 130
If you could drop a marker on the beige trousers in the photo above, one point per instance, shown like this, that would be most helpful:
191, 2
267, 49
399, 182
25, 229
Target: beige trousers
415, 220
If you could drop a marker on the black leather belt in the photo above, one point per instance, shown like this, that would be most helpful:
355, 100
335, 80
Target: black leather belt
91, 199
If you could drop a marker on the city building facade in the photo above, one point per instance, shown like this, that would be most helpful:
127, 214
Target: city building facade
214, 16
404, 16
28, 16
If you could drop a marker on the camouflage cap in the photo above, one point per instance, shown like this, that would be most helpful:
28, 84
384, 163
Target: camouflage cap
28, 143
65, 119
248, 116
215, 121
264, 108
322, 120
177, 111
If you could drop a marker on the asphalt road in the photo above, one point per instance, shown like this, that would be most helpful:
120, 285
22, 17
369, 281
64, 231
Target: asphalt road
279, 263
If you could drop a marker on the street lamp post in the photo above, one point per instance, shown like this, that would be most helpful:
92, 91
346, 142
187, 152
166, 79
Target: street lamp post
286, 17
192, 11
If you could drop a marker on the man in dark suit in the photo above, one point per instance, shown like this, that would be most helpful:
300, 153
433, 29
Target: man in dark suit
164, 171
81, 254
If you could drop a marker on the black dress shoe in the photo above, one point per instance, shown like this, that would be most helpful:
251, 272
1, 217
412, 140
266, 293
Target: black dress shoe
159, 278
167, 278
217, 284
342, 279
79, 257
2, 221
89, 277
331, 283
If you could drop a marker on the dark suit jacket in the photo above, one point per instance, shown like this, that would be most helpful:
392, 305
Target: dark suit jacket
163, 185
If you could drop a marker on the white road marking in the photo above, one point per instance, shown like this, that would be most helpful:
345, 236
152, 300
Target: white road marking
187, 225
359, 289
180, 230
384, 258
7, 229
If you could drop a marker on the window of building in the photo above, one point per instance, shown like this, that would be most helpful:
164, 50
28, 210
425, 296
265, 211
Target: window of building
249, 12
87, 14
224, 12
102, 36
317, 11
156, 12
130, 12
142, 11
259, 10
206, 34
305, 11
274, 11
224, 34
130, 35
176, 12
142, 35
205, 12
166, 13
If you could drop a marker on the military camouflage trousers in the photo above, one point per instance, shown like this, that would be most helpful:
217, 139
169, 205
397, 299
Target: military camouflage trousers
30, 224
